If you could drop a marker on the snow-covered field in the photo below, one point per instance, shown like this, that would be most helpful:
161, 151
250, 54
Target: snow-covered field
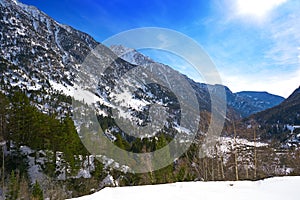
278, 188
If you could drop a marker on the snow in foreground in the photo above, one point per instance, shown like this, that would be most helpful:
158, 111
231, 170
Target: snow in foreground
274, 188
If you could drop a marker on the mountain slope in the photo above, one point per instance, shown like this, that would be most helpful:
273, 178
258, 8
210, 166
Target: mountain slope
270, 99
249, 102
136, 58
48, 57
43, 58
288, 112
36, 52
243, 103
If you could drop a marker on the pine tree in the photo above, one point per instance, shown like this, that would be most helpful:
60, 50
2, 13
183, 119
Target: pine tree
3, 117
37, 192
70, 143
165, 174
13, 188
20, 119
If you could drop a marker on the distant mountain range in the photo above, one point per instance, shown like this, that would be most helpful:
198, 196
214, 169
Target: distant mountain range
250, 102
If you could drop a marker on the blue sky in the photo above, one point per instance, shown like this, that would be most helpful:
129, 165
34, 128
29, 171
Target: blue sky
255, 44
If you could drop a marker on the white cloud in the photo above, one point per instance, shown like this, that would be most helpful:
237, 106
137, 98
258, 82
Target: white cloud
282, 84
257, 8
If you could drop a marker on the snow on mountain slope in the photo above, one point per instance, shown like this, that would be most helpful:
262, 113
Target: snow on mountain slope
274, 188
245, 103
131, 55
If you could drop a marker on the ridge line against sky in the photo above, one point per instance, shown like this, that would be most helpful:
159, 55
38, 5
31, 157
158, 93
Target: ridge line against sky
254, 44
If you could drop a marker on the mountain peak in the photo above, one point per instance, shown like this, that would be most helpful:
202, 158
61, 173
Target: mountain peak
120, 49
250, 102
131, 55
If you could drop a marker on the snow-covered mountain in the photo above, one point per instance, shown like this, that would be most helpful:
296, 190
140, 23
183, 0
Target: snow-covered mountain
50, 62
45, 58
39, 54
37, 51
131, 55
244, 103
134, 57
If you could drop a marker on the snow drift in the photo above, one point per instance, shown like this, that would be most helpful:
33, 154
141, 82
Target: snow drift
273, 188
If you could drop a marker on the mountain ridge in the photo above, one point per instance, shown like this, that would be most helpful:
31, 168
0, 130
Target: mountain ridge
242, 102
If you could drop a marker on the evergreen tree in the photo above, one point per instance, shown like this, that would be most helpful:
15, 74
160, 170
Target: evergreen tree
70, 142
37, 192
13, 187
122, 156
165, 174
3, 116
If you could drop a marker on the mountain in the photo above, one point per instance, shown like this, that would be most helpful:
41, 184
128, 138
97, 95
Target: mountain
50, 72
260, 97
242, 103
37, 53
55, 65
45, 58
131, 55
248, 102
288, 112
48, 57
134, 57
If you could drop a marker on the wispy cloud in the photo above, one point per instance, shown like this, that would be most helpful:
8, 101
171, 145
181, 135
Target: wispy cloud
285, 34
